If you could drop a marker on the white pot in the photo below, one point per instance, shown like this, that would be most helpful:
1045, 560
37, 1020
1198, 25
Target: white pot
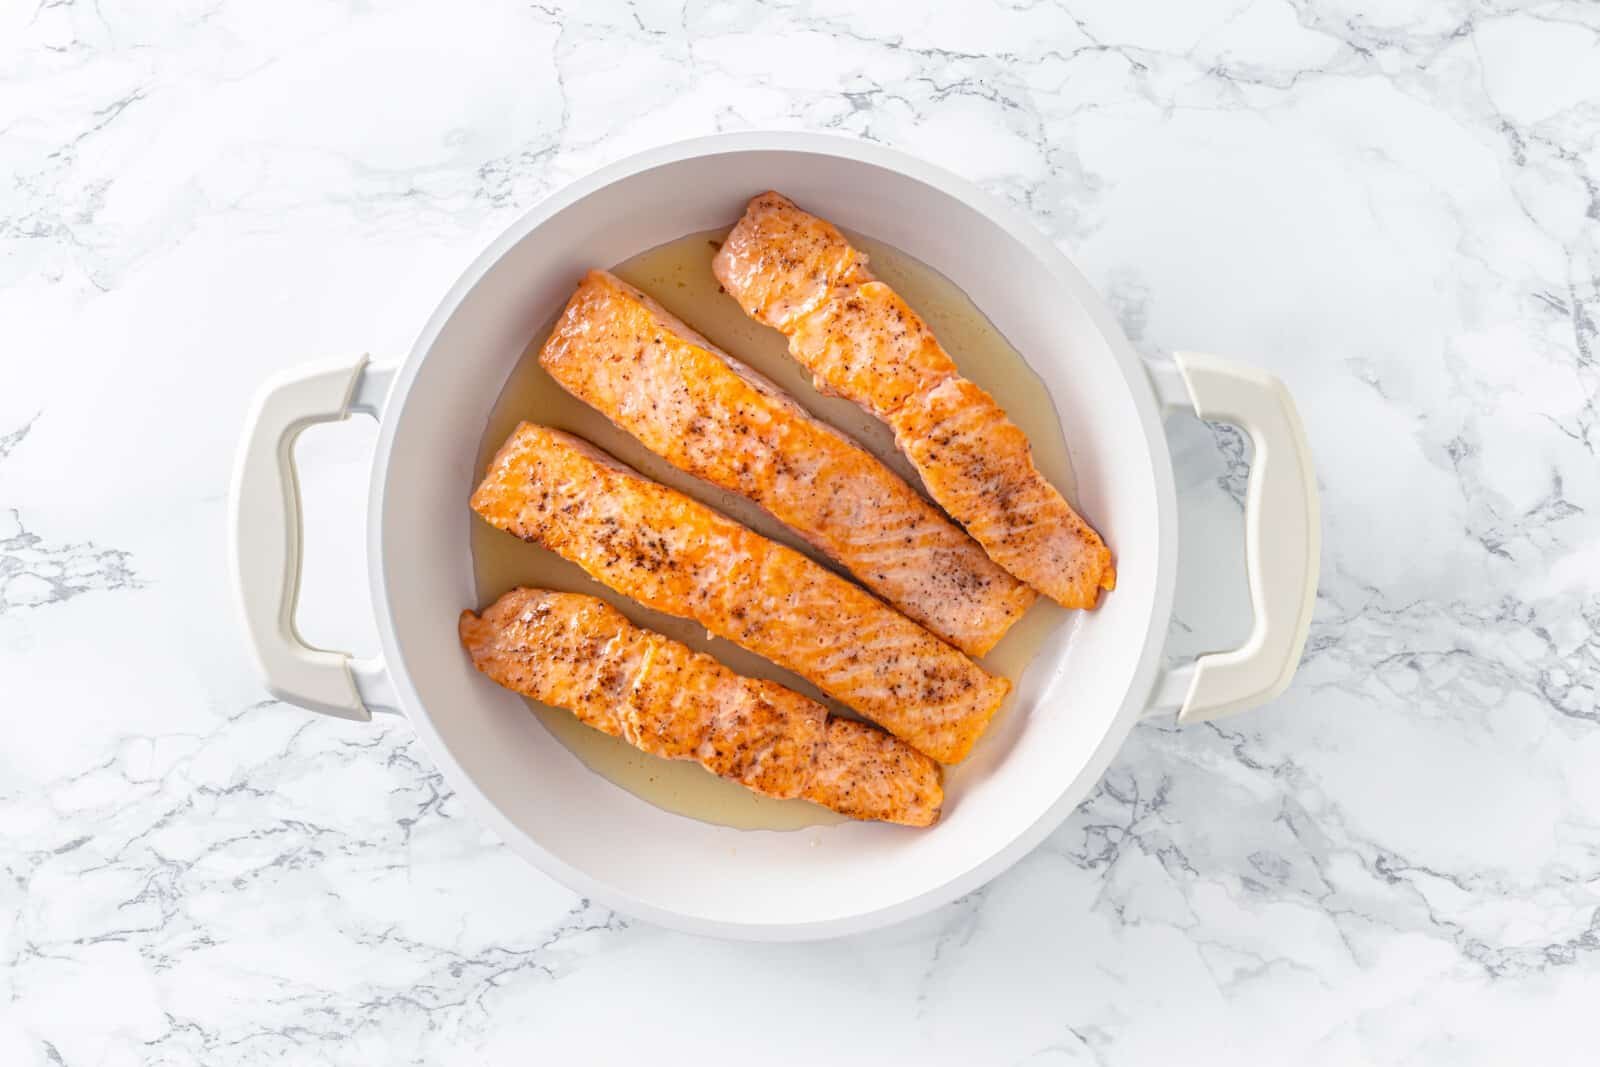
1074, 705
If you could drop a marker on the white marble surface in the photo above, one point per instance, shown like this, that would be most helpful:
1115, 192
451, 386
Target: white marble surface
1395, 207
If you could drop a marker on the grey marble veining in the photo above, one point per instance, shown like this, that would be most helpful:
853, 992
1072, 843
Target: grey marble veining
1393, 206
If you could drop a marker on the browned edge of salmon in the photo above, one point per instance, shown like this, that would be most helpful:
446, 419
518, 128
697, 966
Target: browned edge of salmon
577, 652
799, 274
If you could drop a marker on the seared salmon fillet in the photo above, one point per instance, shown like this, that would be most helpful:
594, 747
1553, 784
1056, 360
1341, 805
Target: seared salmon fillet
711, 416
578, 652
798, 274
674, 554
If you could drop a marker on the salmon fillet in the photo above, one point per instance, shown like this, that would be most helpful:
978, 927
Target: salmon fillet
578, 652
674, 554
706, 413
860, 340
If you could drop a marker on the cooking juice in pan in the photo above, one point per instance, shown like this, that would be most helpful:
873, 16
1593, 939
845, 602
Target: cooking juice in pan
678, 274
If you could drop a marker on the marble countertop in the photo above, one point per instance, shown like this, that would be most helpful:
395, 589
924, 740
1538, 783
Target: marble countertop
1393, 206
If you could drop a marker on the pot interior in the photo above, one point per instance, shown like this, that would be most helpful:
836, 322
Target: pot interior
1072, 705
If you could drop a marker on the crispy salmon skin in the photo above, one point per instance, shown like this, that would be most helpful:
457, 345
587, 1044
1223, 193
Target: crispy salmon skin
673, 554
798, 274
578, 652
711, 416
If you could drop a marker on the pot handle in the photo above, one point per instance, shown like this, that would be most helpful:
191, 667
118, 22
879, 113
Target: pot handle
265, 532
1282, 536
